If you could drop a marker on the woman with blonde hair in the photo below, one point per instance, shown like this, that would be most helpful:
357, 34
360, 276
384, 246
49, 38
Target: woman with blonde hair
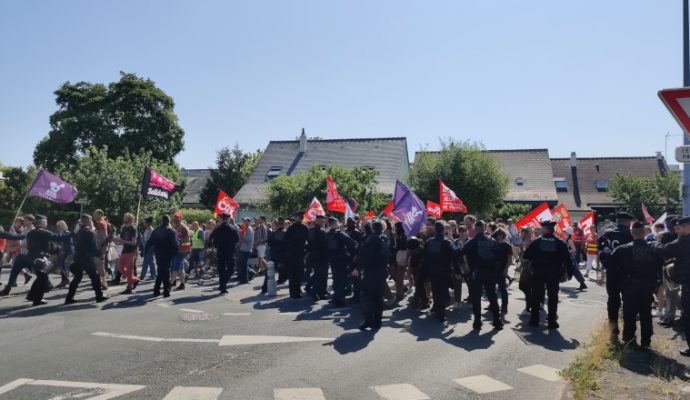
128, 240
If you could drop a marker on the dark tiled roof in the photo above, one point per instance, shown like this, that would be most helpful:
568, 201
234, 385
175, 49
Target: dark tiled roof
196, 180
534, 167
591, 170
388, 156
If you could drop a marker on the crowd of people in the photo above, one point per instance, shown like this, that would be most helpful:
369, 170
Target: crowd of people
640, 263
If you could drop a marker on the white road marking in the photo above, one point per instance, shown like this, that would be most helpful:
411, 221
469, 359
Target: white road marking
14, 384
154, 339
298, 394
241, 340
111, 390
189, 310
290, 313
542, 371
237, 314
193, 393
164, 305
403, 391
482, 384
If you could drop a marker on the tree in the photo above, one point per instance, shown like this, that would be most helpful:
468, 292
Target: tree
287, 194
233, 168
659, 193
113, 184
472, 173
15, 186
513, 211
130, 115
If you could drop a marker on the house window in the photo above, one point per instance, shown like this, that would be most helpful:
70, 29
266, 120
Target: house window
602, 186
273, 172
561, 185
519, 181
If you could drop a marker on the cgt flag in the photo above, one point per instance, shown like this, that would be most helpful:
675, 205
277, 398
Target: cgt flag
155, 184
226, 205
562, 217
408, 208
450, 202
647, 216
433, 209
587, 223
314, 209
535, 217
50, 187
333, 200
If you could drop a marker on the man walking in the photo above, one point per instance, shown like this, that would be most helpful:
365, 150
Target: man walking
86, 254
339, 245
438, 260
317, 260
246, 246
225, 238
374, 265
295, 241
163, 241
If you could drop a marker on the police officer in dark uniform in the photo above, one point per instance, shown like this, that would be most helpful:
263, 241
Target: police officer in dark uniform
550, 263
37, 246
679, 249
419, 272
339, 246
86, 253
356, 235
225, 238
607, 243
295, 241
276, 246
374, 267
640, 266
481, 253
164, 243
317, 260
438, 260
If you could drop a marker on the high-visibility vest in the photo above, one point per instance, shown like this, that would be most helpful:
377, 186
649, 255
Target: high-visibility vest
196, 242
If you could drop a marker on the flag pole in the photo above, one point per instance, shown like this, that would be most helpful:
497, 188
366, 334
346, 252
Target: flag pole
19, 210
136, 222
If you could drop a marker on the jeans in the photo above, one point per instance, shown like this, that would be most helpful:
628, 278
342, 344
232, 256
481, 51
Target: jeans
148, 264
242, 275
576, 270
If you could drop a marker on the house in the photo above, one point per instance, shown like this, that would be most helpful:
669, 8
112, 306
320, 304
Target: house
196, 181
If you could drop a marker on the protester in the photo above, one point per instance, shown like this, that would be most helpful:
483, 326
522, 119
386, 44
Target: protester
197, 254
246, 247
149, 263
183, 251
86, 254
591, 250
574, 255
225, 238
128, 256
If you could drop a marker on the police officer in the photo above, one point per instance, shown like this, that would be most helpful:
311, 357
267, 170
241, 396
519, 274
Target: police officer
607, 243
317, 260
225, 238
481, 253
86, 253
374, 267
339, 246
438, 259
37, 246
356, 235
295, 241
550, 262
680, 250
639, 265
163, 241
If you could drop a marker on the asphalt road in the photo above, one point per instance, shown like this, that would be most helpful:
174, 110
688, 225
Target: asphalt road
197, 345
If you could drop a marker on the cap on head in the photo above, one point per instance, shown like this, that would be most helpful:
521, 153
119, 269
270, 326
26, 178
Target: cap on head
548, 223
321, 217
298, 214
569, 231
479, 224
332, 220
684, 221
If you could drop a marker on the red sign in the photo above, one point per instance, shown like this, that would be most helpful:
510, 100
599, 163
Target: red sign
587, 223
562, 216
450, 202
226, 205
535, 217
388, 211
333, 200
314, 209
433, 209
678, 103
371, 214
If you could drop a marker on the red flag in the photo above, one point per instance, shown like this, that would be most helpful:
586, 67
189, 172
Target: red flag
371, 214
314, 209
587, 223
450, 202
433, 209
562, 216
647, 216
388, 211
535, 217
333, 200
226, 205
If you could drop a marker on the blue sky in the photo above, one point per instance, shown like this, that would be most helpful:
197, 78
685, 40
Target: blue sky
570, 76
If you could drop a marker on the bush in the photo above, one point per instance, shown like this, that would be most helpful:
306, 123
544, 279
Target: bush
194, 214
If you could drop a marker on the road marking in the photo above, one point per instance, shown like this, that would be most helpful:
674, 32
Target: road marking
542, 371
237, 314
14, 384
241, 340
298, 394
402, 391
482, 384
189, 310
290, 313
111, 390
164, 305
193, 393
154, 339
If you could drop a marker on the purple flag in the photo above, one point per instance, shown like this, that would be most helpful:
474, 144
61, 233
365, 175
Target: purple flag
50, 187
408, 208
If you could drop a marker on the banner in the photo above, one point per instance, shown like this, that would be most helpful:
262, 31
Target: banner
586, 224
662, 219
535, 217
450, 202
50, 187
155, 184
562, 216
314, 209
333, 200
371, 214
226, 205
349, 214
647, 216
433, 209
408, 208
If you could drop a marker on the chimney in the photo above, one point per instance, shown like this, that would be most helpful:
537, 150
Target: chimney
303, 142
659, 156
573, 159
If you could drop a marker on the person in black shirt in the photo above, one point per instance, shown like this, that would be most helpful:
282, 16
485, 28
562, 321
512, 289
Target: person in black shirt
225, 238
505, 259
339, 246
438, 259
86, 253
295, 240
164, 243
374, 268
317, 260
357, 236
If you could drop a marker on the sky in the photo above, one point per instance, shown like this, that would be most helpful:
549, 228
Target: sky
568, 76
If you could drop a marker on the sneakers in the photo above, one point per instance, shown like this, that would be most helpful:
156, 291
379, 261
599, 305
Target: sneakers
582, 286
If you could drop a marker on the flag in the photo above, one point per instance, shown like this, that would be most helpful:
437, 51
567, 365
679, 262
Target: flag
662, 219
226, 205
314, 209
587, 223
333, 200
433, 209
50, 187
349, 214
155, 184
535, 217
389, 209
450, 202
371, 214
647, 216
562, 216
408, 208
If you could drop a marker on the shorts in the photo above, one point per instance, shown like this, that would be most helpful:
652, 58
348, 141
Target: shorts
261, 251
178, 262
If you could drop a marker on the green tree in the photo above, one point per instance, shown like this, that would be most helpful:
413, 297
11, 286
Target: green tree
15, 186
472, 173
131, 115
513, 211
659, 193
233, 167
113, 184
287, 194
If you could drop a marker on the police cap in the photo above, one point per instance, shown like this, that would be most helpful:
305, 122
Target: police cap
332, 220
321, 217
684, 221
298, 214
40, 217
548, 223
624, 215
